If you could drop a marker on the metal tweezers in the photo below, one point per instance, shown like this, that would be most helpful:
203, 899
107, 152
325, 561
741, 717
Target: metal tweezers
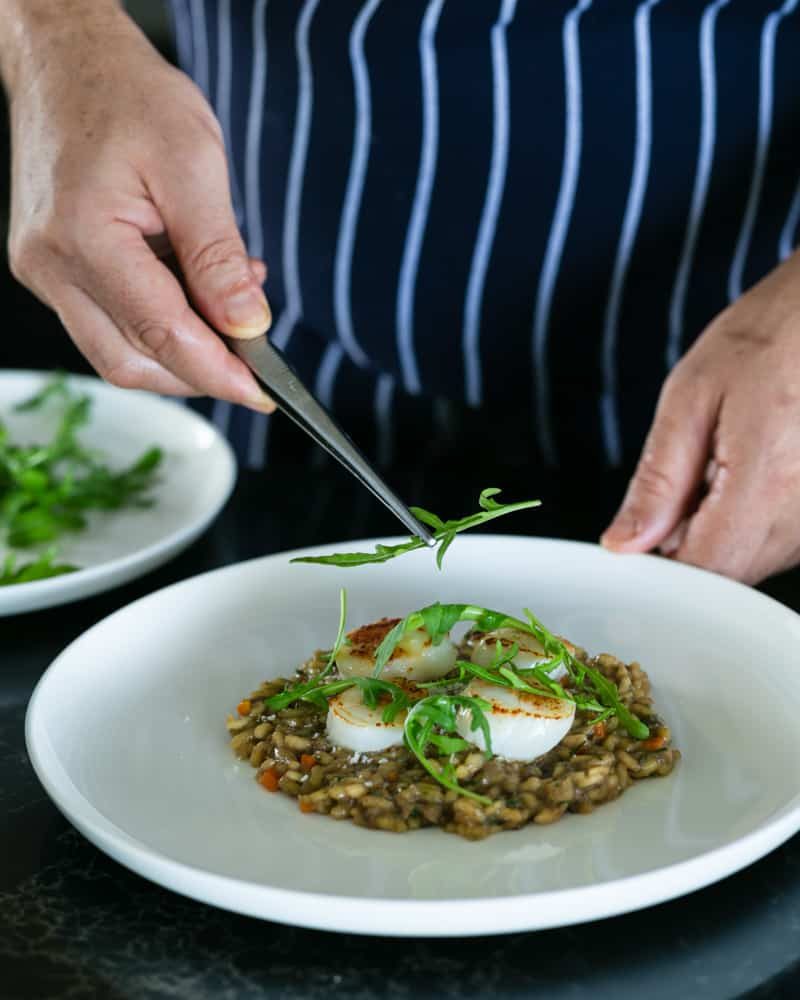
283, 384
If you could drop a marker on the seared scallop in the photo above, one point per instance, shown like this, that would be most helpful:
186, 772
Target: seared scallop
522, 726
483, 649
356, 726
415, 657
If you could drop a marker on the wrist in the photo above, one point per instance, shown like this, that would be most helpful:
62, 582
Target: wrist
30, 31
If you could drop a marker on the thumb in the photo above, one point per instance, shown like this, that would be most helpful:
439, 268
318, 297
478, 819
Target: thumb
670, 469
219, 274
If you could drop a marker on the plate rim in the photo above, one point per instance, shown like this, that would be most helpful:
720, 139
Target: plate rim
419, 918
397, 916
92, 580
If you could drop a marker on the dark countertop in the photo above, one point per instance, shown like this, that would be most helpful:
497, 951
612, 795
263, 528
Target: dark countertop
73, 923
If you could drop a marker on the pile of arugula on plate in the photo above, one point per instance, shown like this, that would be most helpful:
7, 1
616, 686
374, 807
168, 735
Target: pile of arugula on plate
47, 489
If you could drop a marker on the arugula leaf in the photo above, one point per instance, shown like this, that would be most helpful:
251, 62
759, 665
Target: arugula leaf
438, 619
448, 538
449, 744
318, 693
46, 489
443, 531
485, 501
37, 569
605, 689
340, 639
389, 643
432, 520
56, 386
440, 711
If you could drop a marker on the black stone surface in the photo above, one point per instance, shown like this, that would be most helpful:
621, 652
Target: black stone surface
74, 924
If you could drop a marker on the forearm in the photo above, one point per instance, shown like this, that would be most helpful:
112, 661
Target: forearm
29, 30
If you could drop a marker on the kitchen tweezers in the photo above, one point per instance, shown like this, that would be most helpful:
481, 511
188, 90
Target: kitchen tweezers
285, 387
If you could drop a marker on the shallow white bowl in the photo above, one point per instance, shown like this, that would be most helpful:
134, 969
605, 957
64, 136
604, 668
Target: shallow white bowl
194, 481
126, 731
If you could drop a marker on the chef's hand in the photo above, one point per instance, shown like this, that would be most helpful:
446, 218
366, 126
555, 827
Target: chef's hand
116, 158
718, 481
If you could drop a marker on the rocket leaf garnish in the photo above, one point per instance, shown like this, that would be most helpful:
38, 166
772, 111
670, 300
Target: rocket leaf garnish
443, 531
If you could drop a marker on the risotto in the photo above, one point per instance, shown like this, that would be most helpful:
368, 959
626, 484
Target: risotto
610, 737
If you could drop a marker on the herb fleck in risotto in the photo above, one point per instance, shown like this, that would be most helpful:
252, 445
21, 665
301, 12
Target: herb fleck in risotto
401, 726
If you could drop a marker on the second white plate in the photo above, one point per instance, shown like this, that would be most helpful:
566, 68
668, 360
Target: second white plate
194, 481
126, 731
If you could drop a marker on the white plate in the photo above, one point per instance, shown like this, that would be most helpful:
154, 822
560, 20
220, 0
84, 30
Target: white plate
126, 732
196, 477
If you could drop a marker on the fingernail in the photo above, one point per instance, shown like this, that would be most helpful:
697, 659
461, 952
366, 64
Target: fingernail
624, 528
247, 311
262, 403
